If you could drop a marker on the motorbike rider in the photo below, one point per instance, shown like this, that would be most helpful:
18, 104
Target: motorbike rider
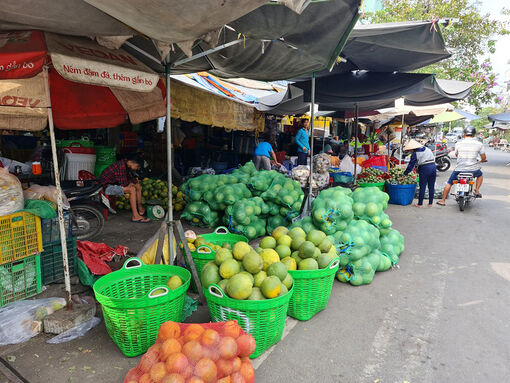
424, 158
467, 151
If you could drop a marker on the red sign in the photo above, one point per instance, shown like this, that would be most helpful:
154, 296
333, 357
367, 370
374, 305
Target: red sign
22, 54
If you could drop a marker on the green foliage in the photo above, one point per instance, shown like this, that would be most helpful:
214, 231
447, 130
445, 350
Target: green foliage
470, 39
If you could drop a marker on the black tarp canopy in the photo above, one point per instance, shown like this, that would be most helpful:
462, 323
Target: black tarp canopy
500, 117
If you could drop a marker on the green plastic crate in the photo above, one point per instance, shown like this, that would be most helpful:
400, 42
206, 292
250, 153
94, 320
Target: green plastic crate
134, 309
312, 289
20, 279
264, 320
379, 185
52, 267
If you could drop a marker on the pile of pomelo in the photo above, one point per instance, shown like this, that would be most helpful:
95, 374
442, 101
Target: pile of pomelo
245, 273
197, 353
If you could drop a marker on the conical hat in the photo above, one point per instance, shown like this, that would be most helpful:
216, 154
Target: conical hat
413, 144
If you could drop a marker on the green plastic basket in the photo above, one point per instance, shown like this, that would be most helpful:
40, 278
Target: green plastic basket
204, 254
312, 289
133, 309
379, 185
52, 267
264, 320
20, 279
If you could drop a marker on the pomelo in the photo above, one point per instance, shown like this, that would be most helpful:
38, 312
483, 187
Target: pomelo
240, 250
283, 290
279, 231
222, 255
295, 256
288, 281
268, 243
174, 282
296, 232
229, 268
278, 269
325, 245
284, 240
256, 295
316, 253
249, 275
269, 256
223, 284
316, 237
209, 275
290, 263
308, 264
239, 286
259, 278
307, 250
372, 209
297, 242
323, 260
259, 250
252, 262
271, 287
283, 251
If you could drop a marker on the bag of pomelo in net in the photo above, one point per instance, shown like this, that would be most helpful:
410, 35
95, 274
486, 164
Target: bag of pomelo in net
261, 181
226, 195
193, 352
369, 204
195, 188
306, 224
200, 214
332, 210
285, 192
392, 245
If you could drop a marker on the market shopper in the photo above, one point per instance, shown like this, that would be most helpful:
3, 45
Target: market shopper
303, 143
424, 158
467, 152
263, 154
117, 179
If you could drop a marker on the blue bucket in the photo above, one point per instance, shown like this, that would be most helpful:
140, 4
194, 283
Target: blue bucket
400, 194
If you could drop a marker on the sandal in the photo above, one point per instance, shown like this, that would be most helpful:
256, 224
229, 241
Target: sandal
478, 195
441, 203
143, 220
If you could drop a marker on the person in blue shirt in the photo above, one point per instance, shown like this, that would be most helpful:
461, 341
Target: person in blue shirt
303, 143
424, 158
263, 154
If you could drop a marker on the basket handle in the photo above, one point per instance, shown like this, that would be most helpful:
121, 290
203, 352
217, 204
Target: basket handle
221, 230
216, 291
204, 247
334, 263
138, 263
160, 294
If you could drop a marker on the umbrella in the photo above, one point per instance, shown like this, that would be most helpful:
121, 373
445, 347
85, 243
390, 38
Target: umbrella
501, 117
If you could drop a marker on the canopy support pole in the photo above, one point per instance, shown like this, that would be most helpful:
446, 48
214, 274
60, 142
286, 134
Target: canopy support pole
170, 212
60, 211
207, 52
312, 115
356, 131
402, 134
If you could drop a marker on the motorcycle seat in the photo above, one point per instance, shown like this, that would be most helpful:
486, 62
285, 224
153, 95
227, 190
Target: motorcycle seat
78, 188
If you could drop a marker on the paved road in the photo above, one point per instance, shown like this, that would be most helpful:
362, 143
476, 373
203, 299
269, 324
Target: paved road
442, 317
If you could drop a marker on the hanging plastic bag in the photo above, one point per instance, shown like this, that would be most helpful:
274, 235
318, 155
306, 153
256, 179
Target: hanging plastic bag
11, 193
48, 193
346, 165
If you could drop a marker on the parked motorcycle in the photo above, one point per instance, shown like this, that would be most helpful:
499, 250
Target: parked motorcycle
441, 152
464, 192
89, 207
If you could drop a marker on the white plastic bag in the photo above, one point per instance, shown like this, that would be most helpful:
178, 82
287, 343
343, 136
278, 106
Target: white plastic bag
346, 165
11, 193
48, 193
20, 321
75, 332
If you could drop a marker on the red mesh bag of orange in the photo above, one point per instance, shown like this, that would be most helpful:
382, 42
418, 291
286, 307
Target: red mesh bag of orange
197, 353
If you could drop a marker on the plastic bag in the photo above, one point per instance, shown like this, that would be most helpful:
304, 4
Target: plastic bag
40, 208
75, 332
148, 252
301, 174
20, 321
346, 165
48, 193
11, 193
207, 351
321, 163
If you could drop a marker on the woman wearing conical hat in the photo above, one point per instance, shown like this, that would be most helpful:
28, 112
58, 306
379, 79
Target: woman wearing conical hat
426, 162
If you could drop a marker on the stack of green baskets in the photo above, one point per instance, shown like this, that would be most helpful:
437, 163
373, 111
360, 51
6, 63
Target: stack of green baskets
136, 301
264, 320
379, 185
204, 254
105, 156
312, 289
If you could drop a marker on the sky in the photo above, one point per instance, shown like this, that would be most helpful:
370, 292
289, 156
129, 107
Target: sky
502, 56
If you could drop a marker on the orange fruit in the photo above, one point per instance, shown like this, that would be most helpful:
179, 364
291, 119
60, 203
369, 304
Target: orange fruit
169, 330
145, 378
176, 362
173, 378
194, 379
246, 345
132, 375
231, 328
158, 372
247, 371
193, 351
149, 359
188, 372
236, 364
206, 369
226, 379
210, 338
132, 381
228, 348
169, 347
155, 348
236, 377
193, 332
225, 367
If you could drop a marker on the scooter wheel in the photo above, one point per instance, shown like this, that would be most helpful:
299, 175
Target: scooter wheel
88, 221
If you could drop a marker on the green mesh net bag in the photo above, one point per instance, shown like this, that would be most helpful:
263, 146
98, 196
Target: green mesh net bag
195, 188
261, 181
369, 205
200, 214
284, 192
332, 210
226, 195
306, 224
392, 245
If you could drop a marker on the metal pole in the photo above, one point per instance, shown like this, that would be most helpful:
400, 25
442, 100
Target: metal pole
355, 141
170, 215
401, 140
311, 142
60, 211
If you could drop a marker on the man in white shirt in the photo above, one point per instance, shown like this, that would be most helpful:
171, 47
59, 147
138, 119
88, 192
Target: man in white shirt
467, 151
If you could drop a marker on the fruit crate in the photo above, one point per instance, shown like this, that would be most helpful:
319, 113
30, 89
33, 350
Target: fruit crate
52, 267
51, 230
20, 279
20, 236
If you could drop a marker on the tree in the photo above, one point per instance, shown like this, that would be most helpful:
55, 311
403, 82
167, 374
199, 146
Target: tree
469, 36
